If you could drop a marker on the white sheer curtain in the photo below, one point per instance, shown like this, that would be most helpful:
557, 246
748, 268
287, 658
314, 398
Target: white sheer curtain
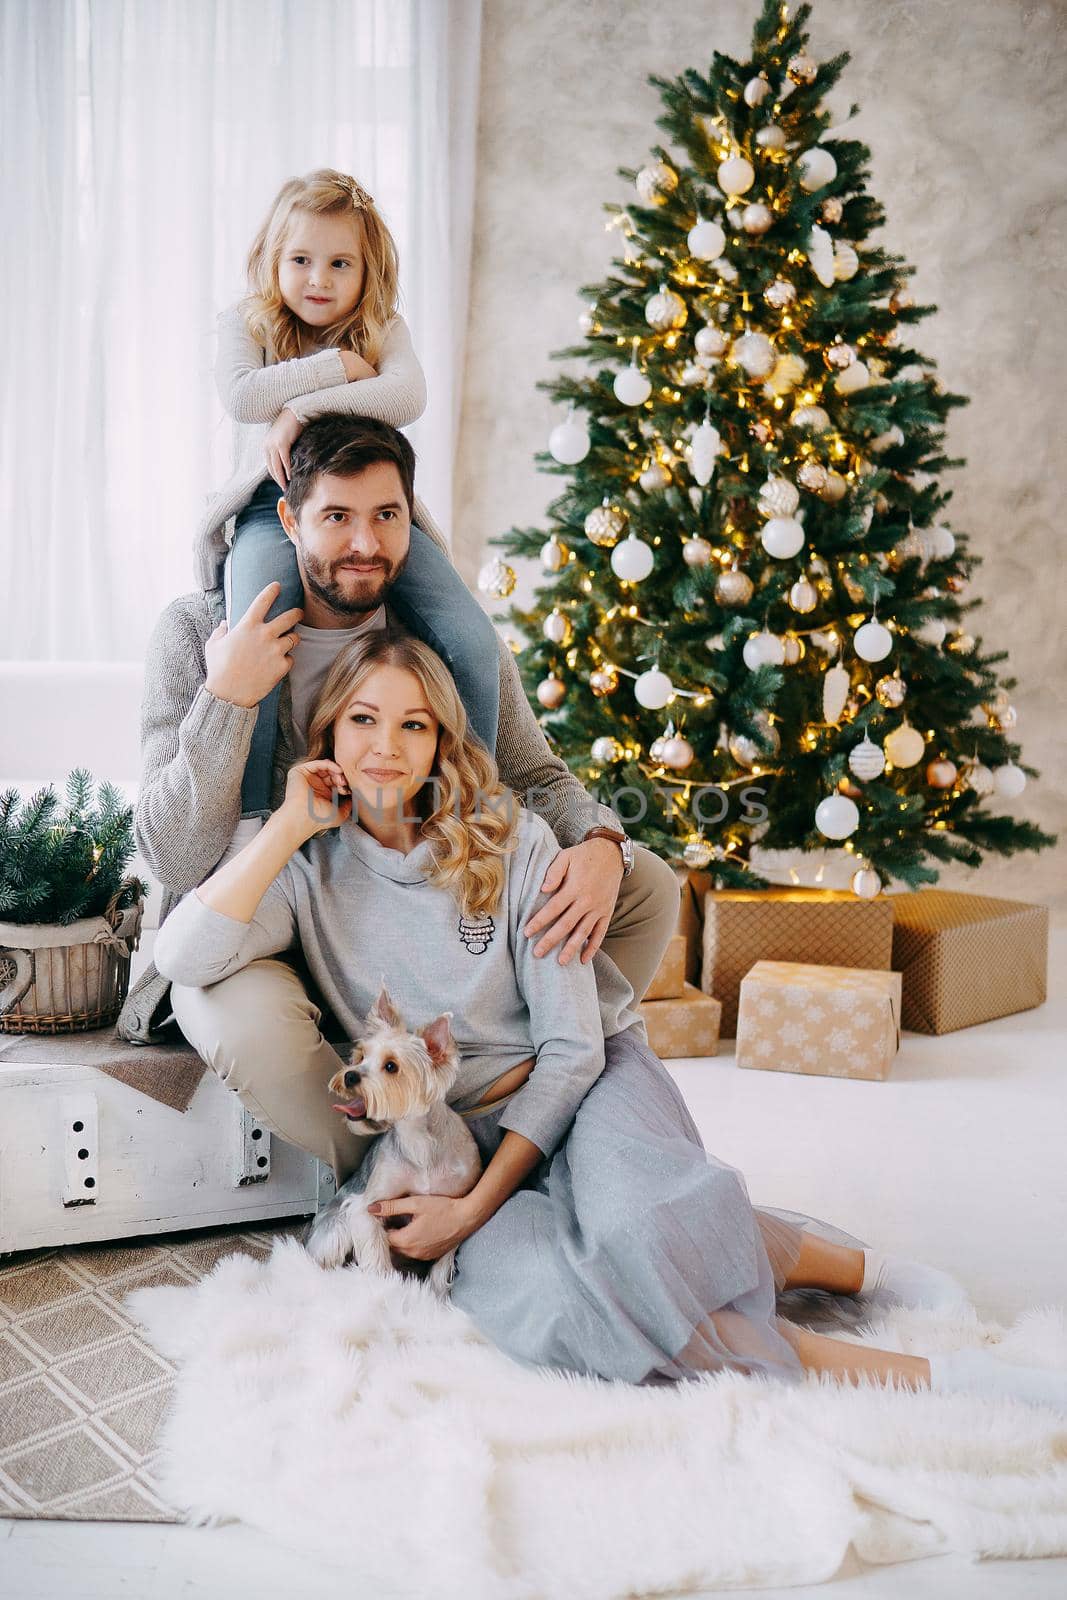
141, 143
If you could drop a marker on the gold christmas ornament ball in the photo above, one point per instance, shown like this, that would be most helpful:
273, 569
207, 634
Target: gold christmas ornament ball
666, 310
606, 750
697, 854
831, 209
557, 627
866, 884
554, 555
794, 649
757, 218
1007, 719
839, 355
997, 705
803, 596
603, 681
802, 69
955, 584
762, 431
733, 588
963, 643
550, 692
813, 475
677, 753
497, 579
834, 489
941, 774
778, 498
780, 293
655, 182
696, 552
605, 525
890, 692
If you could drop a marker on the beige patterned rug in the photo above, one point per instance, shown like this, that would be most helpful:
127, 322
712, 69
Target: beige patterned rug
82, 1393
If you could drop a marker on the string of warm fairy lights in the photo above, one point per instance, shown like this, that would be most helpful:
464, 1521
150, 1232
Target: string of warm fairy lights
823, 461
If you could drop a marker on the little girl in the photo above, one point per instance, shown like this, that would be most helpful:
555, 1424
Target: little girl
319, 332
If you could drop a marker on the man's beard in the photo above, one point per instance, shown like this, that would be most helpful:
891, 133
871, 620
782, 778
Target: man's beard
366, 595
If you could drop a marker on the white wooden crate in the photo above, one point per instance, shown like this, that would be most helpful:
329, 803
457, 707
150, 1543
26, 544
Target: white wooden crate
84, 1157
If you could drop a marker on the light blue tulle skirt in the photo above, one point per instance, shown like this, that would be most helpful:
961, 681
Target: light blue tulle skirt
632, 1254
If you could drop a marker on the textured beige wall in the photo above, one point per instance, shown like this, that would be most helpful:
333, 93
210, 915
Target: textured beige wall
962, 108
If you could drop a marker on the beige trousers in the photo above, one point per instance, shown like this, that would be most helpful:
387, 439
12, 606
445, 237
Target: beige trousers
259, 1028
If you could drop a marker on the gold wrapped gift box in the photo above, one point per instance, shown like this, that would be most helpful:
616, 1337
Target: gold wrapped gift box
832, 1022
829, 927
687, 1025
967, 958
670, 975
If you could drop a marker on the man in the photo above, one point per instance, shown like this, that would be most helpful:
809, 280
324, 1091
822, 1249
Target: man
348, 510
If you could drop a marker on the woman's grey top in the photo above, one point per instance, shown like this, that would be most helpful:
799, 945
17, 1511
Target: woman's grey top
363, 914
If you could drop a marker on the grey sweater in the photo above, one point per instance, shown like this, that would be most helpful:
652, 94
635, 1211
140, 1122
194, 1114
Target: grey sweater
194, 747
362, 913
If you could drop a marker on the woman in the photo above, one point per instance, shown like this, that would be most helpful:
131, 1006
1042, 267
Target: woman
600, 1237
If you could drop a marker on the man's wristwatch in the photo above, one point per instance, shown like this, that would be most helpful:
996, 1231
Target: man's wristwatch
625, 844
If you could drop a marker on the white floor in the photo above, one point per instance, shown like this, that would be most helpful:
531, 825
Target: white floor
957, 1158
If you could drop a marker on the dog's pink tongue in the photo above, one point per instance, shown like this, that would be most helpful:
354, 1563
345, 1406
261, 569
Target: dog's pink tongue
354, 1108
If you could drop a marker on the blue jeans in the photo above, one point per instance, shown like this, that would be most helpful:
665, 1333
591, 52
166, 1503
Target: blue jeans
429, 596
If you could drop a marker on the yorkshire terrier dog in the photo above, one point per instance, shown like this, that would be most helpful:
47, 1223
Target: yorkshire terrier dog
396, 1082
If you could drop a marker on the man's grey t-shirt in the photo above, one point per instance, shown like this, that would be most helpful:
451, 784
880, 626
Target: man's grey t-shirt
312, 660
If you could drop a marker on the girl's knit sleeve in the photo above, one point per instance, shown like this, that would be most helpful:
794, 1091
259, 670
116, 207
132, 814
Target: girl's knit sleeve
253, 392
566, 1028
396, 395
196, 945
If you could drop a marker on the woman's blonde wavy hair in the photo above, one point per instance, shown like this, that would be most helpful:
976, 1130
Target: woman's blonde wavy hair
270, 321
469, 816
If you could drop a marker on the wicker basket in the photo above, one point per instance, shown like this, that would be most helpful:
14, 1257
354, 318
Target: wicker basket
64, 979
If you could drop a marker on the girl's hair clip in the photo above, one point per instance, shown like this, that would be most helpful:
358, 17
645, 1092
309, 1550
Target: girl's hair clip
360, 198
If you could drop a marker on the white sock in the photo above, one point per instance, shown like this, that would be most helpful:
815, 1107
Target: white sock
981, 1372
246, 829
911, 1283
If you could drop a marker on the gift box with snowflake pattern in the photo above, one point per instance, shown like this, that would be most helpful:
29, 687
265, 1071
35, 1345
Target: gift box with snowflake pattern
833, 1022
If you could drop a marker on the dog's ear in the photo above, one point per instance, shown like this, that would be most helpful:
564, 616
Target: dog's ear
383, 1013
437, 1036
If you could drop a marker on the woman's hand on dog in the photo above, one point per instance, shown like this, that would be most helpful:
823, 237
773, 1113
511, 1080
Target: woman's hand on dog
317, 797
438, 1223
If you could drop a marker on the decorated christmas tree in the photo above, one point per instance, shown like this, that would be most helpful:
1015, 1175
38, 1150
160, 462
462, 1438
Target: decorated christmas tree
752, 631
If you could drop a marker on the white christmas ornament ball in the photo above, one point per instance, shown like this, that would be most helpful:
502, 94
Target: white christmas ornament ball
654, 477
778, 498
696, 552
666, 310
631, 386
755, 353
803, 596
846, 261
772, 137
865, 760
632, 560
606, 750
763, 650
653, 689
496, 578
932, 631
569, 442
866, 884
709, 341
782, 537
756, 91
817, 168
655, 182
980, 779
677, 753
557, 627
941, 543
735, 175
706, 240
854, 378
553, 555
757, 218
872, 642
904, 746
813, 417
550, 692
837, 816
1009, 780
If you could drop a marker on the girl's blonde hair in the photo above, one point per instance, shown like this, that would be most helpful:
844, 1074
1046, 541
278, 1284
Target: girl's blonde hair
270, 321
470, 817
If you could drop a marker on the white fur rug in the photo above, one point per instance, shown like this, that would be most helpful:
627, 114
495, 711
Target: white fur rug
362, 1421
